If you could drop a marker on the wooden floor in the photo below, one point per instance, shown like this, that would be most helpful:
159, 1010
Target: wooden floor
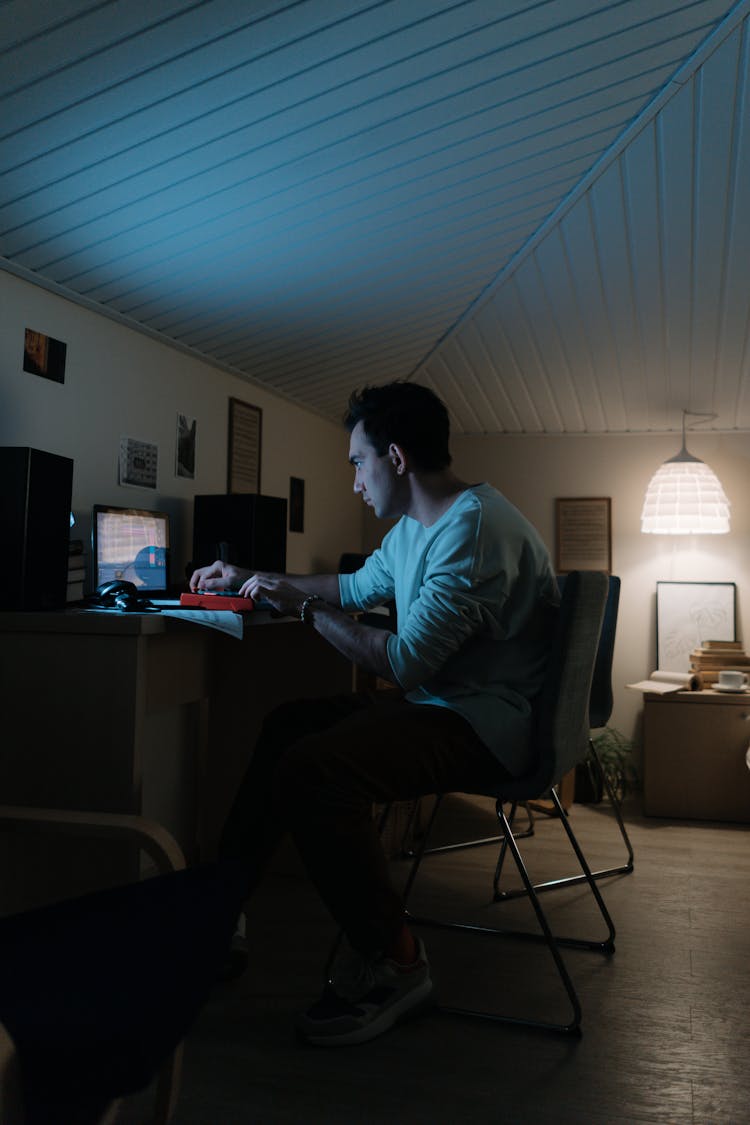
666, 1019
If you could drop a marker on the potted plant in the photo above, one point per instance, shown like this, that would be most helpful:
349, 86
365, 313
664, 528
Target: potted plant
615, 752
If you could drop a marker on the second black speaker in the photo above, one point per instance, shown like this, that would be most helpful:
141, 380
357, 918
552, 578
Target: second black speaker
242, 528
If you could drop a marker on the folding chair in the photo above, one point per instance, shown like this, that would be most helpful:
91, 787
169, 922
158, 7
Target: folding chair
561, 738
600, 709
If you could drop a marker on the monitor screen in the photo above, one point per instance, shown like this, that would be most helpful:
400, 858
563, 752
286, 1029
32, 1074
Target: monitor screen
131, 544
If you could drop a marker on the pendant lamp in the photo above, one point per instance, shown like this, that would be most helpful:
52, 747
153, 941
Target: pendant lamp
684, 496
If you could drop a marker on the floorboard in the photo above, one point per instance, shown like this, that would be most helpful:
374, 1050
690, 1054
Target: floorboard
666, 1035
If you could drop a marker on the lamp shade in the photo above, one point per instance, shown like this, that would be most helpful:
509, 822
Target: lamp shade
685, 497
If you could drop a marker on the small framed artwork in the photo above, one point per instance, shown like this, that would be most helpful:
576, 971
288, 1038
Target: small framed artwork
138, 463
583, 533
44, 355
243, 467
185, 447
689, 613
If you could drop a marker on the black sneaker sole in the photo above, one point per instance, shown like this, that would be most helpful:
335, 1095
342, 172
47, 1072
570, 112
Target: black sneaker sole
376, 1027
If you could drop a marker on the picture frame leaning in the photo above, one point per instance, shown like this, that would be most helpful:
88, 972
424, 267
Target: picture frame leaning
689, 613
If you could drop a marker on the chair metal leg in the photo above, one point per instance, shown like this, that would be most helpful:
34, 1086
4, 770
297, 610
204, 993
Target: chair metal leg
552, 941
627, 867
504, 850
573, 880
409, 852
573, 1024
608, 945
601, 945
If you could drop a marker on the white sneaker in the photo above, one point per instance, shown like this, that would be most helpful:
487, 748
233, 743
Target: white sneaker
365, 998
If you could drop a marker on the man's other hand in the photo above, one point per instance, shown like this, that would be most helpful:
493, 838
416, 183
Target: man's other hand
218, 576
275, 589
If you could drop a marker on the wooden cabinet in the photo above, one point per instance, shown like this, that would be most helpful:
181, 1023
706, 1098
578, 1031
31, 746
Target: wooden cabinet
695, 756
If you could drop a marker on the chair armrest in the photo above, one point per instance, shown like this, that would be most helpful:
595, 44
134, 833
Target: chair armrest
152, 837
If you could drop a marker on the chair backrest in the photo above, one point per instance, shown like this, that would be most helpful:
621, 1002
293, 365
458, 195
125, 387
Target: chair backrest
601, 701
562, 710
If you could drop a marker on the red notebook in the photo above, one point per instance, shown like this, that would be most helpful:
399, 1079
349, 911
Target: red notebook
217, 601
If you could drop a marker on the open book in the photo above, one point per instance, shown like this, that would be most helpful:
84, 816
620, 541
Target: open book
224, 620
662, 682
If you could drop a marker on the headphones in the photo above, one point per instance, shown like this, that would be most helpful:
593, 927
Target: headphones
120, 595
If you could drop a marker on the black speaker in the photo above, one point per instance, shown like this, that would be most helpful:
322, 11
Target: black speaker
241, 528
35, 500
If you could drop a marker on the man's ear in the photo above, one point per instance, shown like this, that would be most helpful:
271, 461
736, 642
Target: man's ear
398, 457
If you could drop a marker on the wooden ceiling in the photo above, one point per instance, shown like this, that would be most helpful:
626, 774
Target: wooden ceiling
539, 208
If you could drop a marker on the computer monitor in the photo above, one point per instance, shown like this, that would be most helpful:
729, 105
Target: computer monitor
131, 544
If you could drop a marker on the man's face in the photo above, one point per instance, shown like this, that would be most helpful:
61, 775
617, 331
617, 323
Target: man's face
375, 477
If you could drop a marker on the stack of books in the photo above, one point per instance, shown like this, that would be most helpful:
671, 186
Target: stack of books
711, 657
76, 571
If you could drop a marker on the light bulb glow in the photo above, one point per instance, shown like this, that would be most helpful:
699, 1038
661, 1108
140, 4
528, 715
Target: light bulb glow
685, 497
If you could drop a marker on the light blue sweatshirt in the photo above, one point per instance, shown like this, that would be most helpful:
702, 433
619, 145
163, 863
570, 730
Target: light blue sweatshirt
473, 595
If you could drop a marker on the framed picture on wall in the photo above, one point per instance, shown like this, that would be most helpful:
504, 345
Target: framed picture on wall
243, 464
583, 535
44, 355
689, 613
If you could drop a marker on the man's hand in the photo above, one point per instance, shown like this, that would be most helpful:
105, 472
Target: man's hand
362, 644
218, 576
286, 598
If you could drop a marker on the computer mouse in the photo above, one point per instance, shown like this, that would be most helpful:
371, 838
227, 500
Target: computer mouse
131, 603
122, 595
114, 588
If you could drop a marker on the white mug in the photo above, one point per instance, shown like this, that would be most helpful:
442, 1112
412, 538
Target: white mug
732, 680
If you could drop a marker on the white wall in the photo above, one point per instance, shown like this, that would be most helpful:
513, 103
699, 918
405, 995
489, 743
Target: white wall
533, 471
121, 382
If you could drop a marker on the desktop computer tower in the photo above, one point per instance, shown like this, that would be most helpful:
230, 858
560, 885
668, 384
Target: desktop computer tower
241, 528
35, 500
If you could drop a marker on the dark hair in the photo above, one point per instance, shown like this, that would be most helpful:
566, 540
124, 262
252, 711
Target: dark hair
408, 414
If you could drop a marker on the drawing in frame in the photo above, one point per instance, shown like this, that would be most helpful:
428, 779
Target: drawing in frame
689, 613
243, 460
583, 535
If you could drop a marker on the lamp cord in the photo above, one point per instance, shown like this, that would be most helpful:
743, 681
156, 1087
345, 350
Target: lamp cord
705, 417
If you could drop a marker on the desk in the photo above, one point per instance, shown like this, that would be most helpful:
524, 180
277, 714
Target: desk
141, 713
694, 747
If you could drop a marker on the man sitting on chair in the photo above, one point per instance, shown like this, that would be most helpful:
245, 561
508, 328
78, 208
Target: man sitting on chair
473, 586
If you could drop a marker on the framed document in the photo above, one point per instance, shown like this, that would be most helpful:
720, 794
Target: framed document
584, 534
243, 465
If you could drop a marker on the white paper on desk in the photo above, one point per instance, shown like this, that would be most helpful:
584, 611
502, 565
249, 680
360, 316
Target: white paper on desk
660, 683
225, 620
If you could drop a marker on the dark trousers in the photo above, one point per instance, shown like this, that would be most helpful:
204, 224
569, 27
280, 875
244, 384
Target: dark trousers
318, 767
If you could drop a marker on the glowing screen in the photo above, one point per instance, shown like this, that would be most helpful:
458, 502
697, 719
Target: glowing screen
132, 545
